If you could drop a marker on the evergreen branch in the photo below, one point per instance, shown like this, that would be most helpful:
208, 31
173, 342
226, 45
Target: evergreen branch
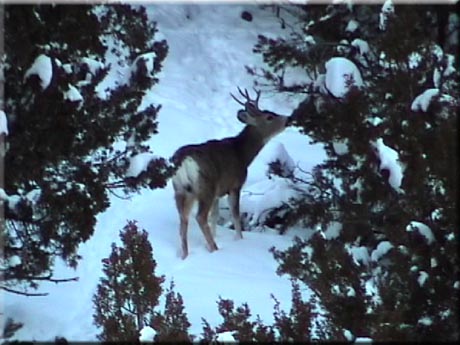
108, 161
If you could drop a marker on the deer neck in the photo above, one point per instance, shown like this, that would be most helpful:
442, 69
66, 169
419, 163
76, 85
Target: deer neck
249, 143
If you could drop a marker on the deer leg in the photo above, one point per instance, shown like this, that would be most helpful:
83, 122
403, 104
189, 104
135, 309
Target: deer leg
184, 205
214, 216
204, 207
234, 203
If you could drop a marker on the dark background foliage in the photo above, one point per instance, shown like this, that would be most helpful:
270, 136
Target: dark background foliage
61, 162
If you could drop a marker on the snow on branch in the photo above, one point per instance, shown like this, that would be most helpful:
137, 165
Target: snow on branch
43, 69
147, 334
139, 163
422, 101
341, 74
73, 95
352, 26
382, 249
387, 10
144, 63
423, 229
93, 65
3, 123
389, 160
361, 45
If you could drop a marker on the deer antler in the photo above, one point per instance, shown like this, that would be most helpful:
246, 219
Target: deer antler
245, 94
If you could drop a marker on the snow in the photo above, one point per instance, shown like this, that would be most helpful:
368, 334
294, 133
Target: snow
93, 65
43, 68
437, 52
339, 72
382, 249
33, 195
119, 72
147, 334
436, 77
295, 75
147, 60
426, 321
389, 159
414, 60
423, 229
263, 196
205, 63
320, 83
348, 335
374, 120
384, 62
225, 337
360, 255
361, 340
279, 153
333, 231
387, 9
350, 292
3, 123
422, 277
139, 163
12, 200
3, 195
340, 147
450, 65
363, 46
73, 95
422, 101
309, 40
352, 26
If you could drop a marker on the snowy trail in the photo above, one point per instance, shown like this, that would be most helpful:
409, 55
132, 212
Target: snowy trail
205, 62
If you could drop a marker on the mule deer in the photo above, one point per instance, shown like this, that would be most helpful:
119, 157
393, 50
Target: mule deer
215, 168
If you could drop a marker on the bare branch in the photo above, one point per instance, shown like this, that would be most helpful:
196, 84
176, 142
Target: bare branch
39, 278
115, 185
29, 294
117, 195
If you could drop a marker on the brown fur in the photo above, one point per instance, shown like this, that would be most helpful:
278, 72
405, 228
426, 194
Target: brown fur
222, 169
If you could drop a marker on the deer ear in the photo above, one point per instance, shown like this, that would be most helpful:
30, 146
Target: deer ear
243, 116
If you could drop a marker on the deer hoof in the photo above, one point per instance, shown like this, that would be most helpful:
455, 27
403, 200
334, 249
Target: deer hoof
213, 247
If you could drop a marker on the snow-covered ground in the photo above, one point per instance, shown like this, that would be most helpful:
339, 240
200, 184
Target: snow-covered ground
209, 47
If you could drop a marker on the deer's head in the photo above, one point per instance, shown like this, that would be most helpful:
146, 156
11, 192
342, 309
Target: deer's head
267, 123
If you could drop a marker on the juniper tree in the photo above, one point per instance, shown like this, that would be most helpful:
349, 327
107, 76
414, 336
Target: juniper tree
75, 79
391, 269
293, 326
129, 291
172, 323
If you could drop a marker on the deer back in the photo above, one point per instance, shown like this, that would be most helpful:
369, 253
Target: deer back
214, 167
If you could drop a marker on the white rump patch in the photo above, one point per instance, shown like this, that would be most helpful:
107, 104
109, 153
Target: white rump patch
186, 175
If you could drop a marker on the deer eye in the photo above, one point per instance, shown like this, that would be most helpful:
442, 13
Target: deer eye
270, 117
